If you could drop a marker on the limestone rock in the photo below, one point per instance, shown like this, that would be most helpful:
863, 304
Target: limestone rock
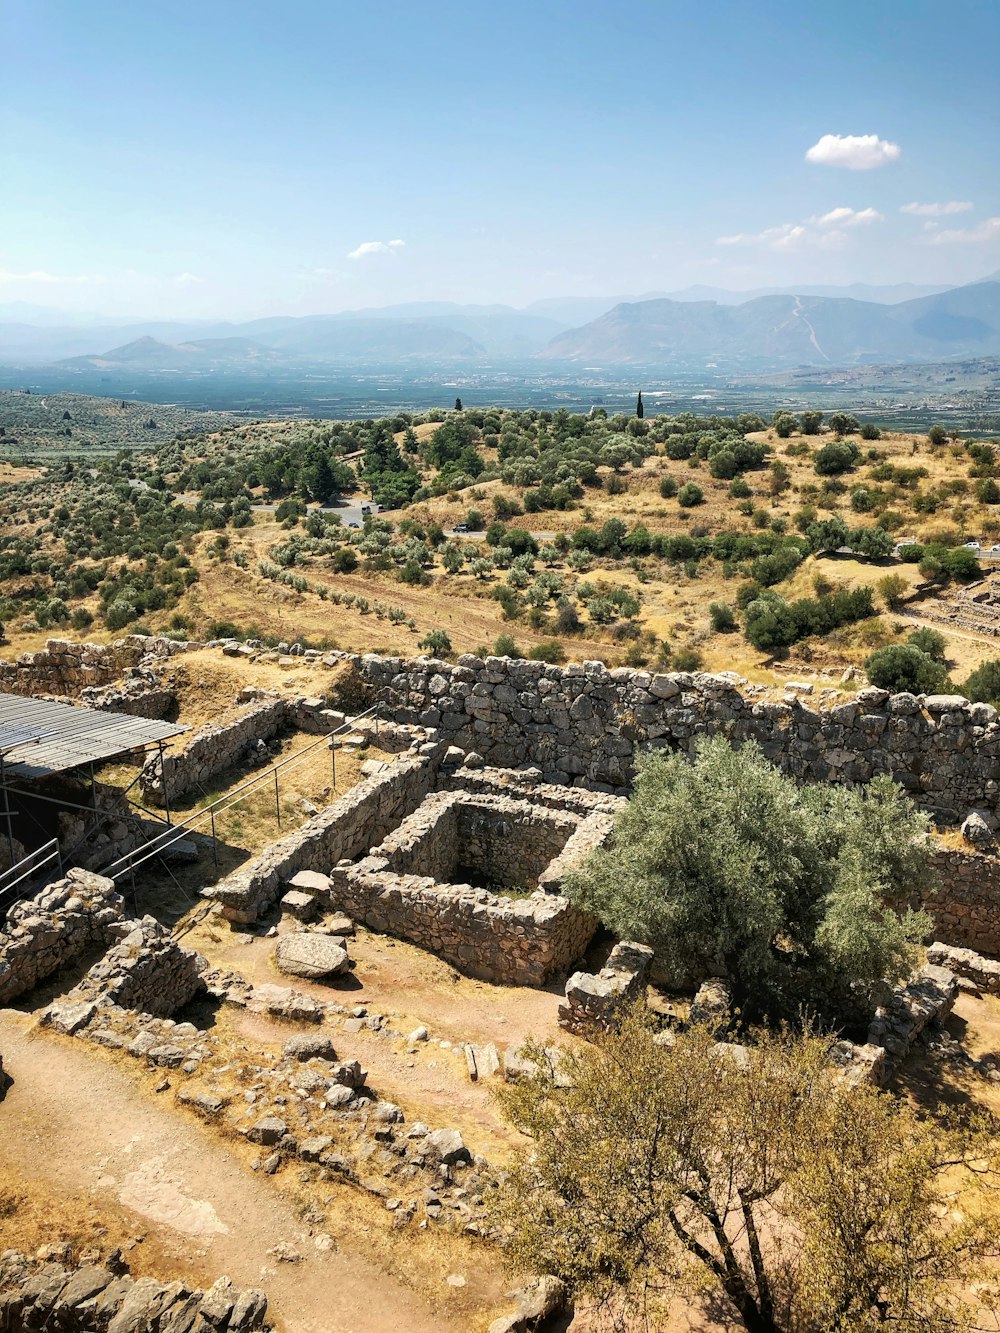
311, 956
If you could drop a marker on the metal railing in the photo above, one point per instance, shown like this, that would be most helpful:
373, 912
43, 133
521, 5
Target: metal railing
176, 831
27, 868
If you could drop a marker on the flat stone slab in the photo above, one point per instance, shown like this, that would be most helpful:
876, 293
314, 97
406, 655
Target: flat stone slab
310, 881
310, 955
300, 905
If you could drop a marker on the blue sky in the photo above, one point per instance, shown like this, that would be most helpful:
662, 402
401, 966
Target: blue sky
240, 159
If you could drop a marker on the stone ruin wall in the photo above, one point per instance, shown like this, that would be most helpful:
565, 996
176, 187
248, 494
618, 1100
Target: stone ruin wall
54, 928
519, 942
515, 838
586, 724
359, 820
221, 745
66, 668
965, 903
146, 970
102, 1296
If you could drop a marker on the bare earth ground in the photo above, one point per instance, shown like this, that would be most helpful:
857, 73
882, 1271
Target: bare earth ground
83, 1131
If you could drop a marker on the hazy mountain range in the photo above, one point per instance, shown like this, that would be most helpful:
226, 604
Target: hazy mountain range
699, 327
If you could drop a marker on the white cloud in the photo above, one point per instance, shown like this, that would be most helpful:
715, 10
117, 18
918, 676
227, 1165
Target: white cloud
187, 279
850, 217
937, 210
987, 230
822, 233
856, 152
375, 248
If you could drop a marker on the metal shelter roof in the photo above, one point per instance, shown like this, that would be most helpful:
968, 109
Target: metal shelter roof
39, 738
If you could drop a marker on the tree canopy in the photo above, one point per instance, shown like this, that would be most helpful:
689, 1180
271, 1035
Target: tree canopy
806, 1205
725, 866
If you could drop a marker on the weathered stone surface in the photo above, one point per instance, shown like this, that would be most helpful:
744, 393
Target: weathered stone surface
105, 1299
309, 1046
449, 1145
311, 956
301, 905
713, 1002
984, 972
595, 1003
44, 933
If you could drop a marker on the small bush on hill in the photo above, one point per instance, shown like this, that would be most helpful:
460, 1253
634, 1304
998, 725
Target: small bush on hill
902, 667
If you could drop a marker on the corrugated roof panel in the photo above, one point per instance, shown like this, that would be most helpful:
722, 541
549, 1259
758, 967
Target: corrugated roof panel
38, 737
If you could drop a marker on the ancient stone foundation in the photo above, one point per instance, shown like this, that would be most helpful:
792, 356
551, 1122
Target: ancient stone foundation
102, 1297
595, 1002
964, 904
54, 928
351, 825
587, 724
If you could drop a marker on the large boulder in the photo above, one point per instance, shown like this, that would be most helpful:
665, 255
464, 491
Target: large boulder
312, 956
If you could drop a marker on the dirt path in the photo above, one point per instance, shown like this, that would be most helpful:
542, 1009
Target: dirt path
82, 1129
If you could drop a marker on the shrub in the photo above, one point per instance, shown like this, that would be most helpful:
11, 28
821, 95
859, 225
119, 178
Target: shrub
722, 617
506, 645
688, 659
689, 495
837, 456
983, 686
668, 487
929, 641
436, 642
893, 588
902, 667
869, 431
728, 867
550, 651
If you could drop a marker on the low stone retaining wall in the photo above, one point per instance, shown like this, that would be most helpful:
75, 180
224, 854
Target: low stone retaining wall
67, 668
96, 1297
44, 933
139, 694
521, 941
965, 903
215, 748
595, 1002
984, 973
362, 817
210, 751
928, 997
147, 971
506, 841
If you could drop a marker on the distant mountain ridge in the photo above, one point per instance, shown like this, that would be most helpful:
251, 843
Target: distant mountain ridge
784, 331
698, 327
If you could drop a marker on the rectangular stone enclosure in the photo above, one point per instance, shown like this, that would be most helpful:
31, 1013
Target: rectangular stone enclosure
487, 842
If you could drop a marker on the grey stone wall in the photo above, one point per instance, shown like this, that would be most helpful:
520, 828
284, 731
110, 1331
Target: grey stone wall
965, 903
521, 941
67, 668
595, 1001
210, 751
584, 723
96, 1297
351, 825
508, 842
219, 746
58, 925
146, 970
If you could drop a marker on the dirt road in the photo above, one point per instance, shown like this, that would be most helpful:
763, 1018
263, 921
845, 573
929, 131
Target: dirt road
83, 1129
